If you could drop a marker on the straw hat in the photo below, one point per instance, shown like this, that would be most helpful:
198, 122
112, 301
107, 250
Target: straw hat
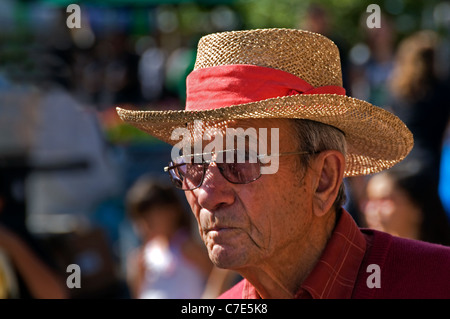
280, 73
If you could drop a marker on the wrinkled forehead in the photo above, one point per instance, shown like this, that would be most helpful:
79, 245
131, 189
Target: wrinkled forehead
260, 136
259, 129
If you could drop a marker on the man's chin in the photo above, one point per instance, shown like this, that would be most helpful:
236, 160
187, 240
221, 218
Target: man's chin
226, 257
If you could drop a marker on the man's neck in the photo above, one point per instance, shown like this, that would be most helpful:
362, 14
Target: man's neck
281, 276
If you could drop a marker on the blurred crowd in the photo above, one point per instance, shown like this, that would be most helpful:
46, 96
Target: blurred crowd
77, 186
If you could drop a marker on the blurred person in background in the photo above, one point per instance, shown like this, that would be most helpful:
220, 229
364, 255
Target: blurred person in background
19, 259
401, 202
23, 274
369, 80
169, 264
420, 98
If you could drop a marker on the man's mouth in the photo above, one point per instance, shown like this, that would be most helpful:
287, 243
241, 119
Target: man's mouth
219, 229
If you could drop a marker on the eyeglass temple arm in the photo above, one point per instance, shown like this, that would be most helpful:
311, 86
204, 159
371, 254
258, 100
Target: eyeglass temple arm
166, 168
286, 153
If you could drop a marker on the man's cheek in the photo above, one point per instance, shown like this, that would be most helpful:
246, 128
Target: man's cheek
195, 208
191, 200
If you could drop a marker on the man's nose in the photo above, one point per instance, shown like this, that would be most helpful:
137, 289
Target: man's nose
215, 190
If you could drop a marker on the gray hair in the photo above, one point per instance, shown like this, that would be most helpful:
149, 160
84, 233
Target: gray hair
315, 137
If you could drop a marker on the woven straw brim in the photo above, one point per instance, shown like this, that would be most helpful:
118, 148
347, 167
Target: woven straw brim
376, 139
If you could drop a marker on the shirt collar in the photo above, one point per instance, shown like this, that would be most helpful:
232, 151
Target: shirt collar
335, 273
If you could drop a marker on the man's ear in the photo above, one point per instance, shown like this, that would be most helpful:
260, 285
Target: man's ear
329, 166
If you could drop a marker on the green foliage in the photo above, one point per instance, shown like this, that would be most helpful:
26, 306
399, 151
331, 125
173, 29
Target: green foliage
124, 134
348, 17
345, 14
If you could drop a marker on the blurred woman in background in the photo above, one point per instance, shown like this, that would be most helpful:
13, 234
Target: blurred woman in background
402, 203
420, 98
169, 264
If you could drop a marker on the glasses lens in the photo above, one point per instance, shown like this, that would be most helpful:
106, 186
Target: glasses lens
175, 175
186, 176
243, 170
240, 173
239, 169
193, 176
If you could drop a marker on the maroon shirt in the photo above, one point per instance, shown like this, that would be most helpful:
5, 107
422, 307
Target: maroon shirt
405, 268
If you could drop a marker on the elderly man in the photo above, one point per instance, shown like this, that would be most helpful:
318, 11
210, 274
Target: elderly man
284, 230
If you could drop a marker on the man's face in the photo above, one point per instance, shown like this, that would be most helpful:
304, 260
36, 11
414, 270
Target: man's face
389, 208
247, 224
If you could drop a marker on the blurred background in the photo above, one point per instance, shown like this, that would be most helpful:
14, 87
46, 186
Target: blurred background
67, 162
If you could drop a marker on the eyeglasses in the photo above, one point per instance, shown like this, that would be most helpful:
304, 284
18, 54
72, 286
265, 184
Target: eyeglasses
188, 174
